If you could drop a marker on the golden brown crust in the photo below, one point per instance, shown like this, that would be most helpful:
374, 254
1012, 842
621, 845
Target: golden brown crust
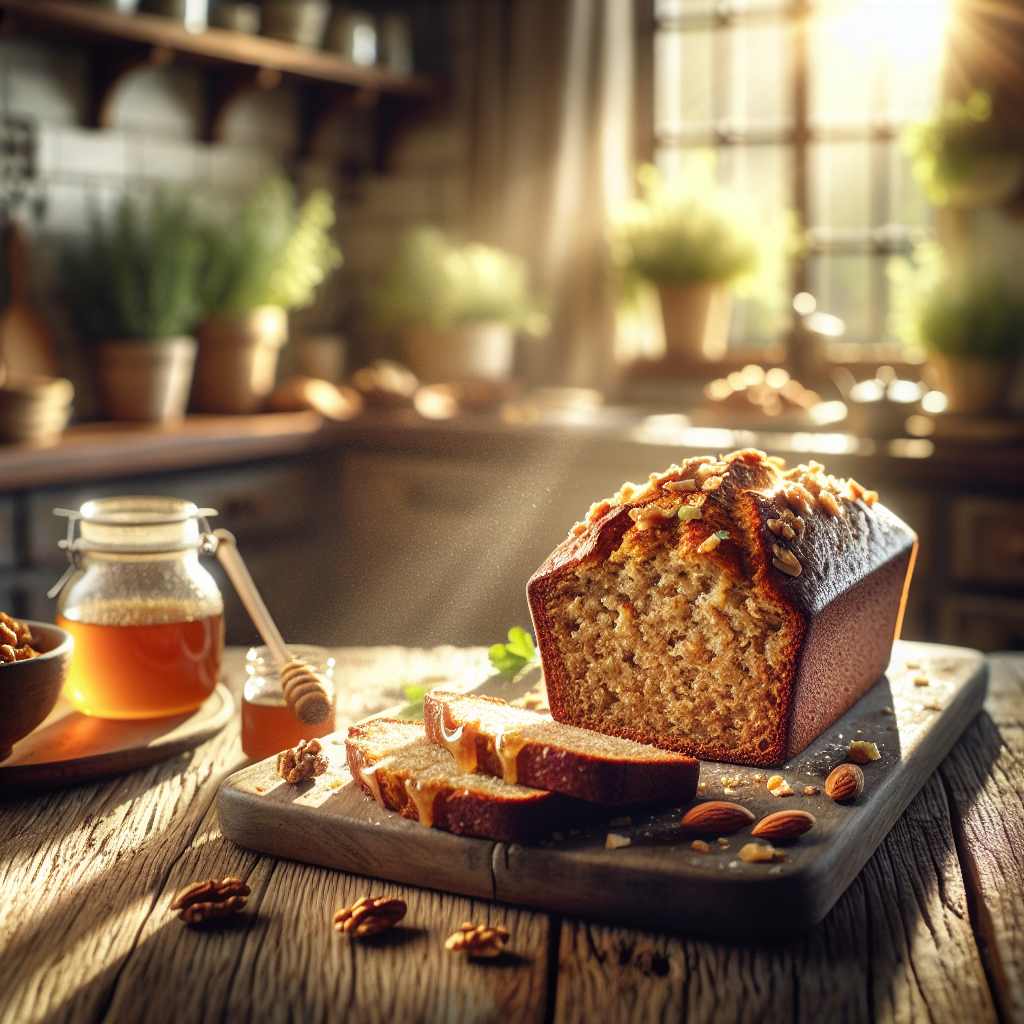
820, 548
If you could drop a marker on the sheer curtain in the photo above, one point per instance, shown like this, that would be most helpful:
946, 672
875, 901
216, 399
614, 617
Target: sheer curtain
552, 152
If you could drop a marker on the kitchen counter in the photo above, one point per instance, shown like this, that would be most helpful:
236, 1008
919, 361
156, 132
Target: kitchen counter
931, 930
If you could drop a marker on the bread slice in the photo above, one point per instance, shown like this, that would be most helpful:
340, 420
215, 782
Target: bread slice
730, 609
486, 734
395, 763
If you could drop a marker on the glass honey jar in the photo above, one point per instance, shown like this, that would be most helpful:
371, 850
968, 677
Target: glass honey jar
146, 616
268, 725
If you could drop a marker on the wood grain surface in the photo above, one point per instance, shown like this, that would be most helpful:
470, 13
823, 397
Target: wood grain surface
657, 880
87, 874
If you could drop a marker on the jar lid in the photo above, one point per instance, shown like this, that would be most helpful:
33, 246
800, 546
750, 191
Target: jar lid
138, 523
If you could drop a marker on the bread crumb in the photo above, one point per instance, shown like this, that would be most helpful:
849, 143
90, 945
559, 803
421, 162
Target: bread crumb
862, 751
887, 710
810, 790
723, 842
619, 822
700, 846
614, 842
921, 680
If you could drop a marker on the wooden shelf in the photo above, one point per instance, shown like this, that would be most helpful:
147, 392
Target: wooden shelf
85, 22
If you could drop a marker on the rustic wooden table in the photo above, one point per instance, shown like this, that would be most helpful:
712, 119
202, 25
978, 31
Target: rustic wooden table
931, 930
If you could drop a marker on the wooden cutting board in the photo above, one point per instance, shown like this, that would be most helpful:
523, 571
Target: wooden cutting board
658, 880
69, 747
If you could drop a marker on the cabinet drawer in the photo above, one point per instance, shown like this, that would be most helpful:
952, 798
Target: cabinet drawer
988, 541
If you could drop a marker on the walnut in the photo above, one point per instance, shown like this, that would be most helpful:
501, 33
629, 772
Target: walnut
303, 762
202, 901
369, 916
479, 940
15, 638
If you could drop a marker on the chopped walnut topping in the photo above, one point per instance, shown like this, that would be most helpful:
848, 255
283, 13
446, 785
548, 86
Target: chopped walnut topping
647, 517
827, 500
786, 561
369, 916
597, 510
710, 544
480, 940
754, 852
810, 790
711, 484
681, 486
303, 762
578, 530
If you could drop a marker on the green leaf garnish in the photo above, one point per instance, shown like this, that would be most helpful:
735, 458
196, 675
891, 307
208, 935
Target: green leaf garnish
413, 709
513, 657
722, 534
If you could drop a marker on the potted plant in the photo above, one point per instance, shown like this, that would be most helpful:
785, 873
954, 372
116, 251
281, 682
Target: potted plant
964, 156
135, 289
692, 245
458, 307
268, 256
974, 331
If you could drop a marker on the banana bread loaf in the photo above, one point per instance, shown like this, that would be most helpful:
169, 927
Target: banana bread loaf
729, 609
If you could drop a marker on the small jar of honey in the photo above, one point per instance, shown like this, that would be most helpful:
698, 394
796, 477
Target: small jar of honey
268, 725
146, 616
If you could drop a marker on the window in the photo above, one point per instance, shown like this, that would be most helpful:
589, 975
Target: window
804, 104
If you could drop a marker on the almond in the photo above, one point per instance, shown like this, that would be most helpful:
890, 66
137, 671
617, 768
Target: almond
784, 825
716, 816
845, 783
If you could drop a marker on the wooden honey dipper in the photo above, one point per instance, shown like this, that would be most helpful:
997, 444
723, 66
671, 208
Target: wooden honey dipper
304, 691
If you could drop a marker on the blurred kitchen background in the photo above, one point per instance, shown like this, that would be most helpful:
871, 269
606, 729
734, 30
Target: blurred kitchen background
402, 288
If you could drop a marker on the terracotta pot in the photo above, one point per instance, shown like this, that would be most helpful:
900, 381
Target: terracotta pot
145, 381
973, 385
696, 317
472, 352
237, 363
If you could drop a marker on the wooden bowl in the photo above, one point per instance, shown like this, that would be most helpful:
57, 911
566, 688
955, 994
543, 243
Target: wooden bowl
29, 689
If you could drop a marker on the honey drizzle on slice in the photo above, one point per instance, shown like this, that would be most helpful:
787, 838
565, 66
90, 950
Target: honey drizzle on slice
369, 776
423, 796
507, 745
462, 744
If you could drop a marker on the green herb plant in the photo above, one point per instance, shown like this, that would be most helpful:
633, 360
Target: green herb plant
682, 232
946, 149
435, 283
137, 276
951, 311
413, 709
516, 656
271, 250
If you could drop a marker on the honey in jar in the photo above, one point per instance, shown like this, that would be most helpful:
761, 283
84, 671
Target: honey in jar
146, 617
268, 725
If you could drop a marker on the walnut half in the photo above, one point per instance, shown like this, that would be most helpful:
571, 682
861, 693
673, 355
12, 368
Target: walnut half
202, 901
369, 916
478, 940
303, 762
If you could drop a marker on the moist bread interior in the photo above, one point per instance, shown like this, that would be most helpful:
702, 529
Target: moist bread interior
660, 643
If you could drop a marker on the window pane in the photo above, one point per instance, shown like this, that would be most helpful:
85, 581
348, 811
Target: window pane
839, 182
877, 59
907, 204
760, 93
683, 82
843, 287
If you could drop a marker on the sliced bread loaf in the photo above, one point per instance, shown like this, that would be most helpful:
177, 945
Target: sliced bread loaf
395, 763
486, 734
